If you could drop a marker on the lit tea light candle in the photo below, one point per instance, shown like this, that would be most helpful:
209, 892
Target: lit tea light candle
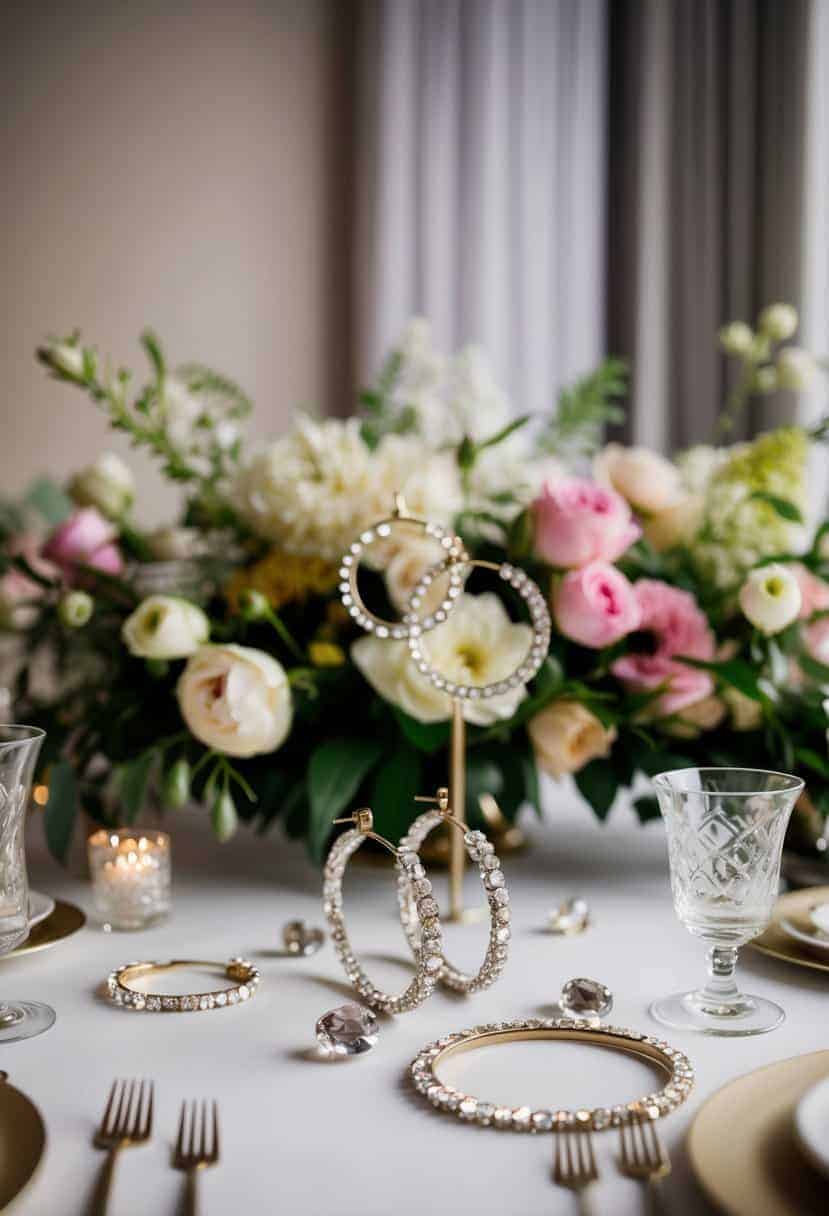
130, 876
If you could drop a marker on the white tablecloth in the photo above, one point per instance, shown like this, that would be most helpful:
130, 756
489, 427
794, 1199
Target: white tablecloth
304, 1137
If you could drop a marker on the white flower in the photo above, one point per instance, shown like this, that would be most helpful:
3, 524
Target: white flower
778, 321
236, 700
408, 561
566, 735
180, 411
315, 489
165, 627
66, 357
478, 645
770, 598
107, 484
698, 465
795, 368
736, 338
645, 479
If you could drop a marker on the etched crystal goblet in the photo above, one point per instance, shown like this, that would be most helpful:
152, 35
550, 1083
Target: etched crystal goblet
725, 831
19, 747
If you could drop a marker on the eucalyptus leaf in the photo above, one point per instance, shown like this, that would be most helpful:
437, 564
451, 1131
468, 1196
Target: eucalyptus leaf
61, 808
133, 782
336, 771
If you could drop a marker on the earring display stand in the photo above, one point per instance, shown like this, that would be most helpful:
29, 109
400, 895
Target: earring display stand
411, 628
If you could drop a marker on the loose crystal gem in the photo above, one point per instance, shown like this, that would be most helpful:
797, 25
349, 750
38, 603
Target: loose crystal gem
586, 996
301, 938
348, 1030
571, 916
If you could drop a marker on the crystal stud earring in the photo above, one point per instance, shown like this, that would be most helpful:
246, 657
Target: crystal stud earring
586, 998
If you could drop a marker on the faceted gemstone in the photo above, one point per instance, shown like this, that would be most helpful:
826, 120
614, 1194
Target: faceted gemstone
301, 938
348, 1030
427, 907
586, 996
542, 1120
572, 916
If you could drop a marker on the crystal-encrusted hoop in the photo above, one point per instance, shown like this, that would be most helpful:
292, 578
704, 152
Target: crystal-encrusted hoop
428, 958
539, 620
522, 1118
244, 974
350, 563
482, 853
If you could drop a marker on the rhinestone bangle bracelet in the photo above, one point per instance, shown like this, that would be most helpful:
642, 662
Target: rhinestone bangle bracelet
522, 1118
243, 973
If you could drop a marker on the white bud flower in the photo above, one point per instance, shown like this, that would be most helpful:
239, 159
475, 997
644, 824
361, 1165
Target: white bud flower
795, 368
736, 338
778, 321
165, 627
75, 609
107, 484
765, 380
771, 598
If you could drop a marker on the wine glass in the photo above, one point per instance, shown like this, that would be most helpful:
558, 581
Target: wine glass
19, 747
725, 838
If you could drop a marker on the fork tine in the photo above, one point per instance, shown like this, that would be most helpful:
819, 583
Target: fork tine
657, 1150
214, 1139
136, 1098
122, 1113
591, 1156
202, 1120
148, 1113
109, 1107
179, 1151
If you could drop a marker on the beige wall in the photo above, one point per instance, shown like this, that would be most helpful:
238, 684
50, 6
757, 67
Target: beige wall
177, 165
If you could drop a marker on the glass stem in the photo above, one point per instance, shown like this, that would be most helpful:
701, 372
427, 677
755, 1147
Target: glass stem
721, 989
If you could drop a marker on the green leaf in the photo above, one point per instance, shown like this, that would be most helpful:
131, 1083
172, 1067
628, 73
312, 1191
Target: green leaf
426, 736
133, 781
61, 808
598, 783
646, 808
48, 499
153, 350
466, 454
784, 508
504, 433
813, 668
335, 773
397, 781
813, 760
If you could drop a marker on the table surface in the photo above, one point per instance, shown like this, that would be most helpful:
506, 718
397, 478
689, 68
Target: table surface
302, 1136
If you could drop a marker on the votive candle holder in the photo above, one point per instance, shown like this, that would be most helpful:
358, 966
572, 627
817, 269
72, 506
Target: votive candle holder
131, 877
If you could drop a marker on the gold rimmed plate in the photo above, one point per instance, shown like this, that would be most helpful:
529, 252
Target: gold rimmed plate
777, 943
22, 1140
60, 924
759, 1170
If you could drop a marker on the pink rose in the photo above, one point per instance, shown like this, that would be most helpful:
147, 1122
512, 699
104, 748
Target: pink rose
596, 605
677, 627
19, 593
817, 640
814, 592
85, 539
577, 521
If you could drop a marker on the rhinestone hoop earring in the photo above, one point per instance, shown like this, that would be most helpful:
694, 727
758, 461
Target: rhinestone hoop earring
427, 953
482, 852
350, 564
539, 618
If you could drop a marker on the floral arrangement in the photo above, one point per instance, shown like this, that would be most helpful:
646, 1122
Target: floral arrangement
690, 598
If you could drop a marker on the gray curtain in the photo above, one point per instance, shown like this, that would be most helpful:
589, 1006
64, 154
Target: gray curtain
707, 146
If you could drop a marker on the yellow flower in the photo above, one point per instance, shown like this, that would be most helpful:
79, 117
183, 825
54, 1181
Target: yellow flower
283, 578
326, 654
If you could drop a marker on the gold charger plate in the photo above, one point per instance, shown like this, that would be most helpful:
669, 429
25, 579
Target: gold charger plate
22, 1140
63, 922
742, 1147
778, 944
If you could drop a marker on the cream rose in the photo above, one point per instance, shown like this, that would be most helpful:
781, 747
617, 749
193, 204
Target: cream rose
236, 700
689, 723
645, 479
107, 484
566, 736
677, 524
478, 644
771, 598
165, 627
746, 713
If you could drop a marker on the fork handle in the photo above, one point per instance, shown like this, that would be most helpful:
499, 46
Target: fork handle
103, 1187
655, 1197
191, 1194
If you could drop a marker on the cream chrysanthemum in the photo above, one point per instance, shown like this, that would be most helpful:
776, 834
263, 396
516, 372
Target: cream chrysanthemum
315, 489
478, 645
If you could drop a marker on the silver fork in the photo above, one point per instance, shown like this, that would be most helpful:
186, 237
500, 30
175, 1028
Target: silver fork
197, 1147
127, 1120
574, 1163
644, 1158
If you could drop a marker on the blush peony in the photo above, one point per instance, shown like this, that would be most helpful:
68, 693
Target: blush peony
86, 538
